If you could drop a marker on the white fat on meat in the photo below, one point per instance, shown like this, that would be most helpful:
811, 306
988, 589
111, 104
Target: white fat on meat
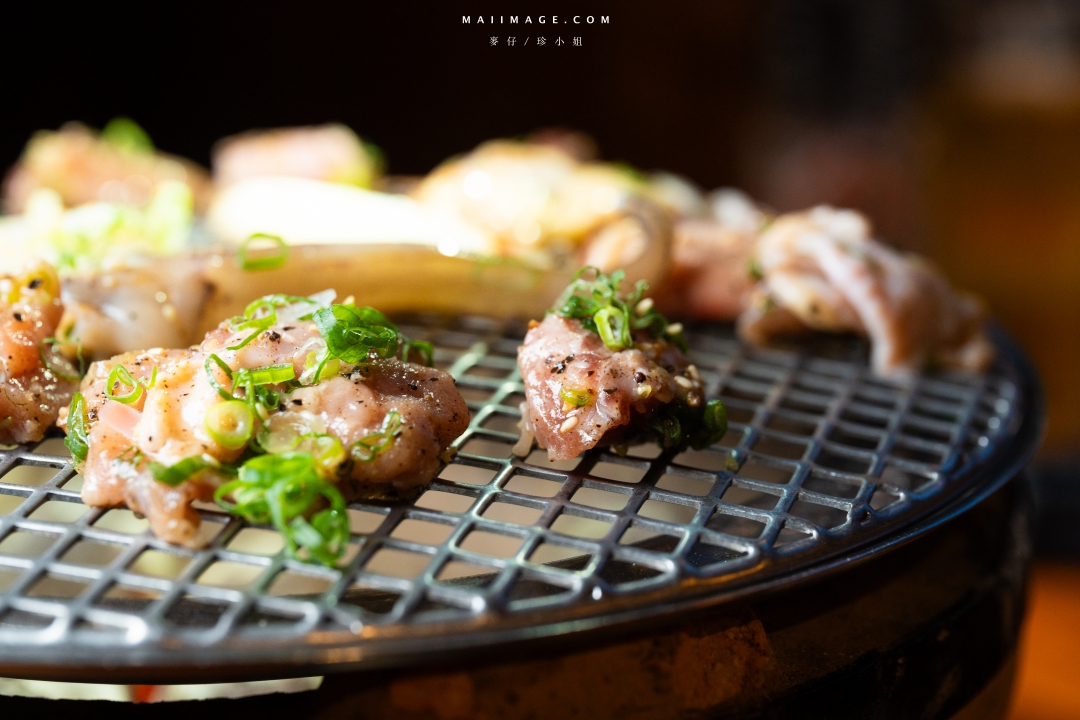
822, 270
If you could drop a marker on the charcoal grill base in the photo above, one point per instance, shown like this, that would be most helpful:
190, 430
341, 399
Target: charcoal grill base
925, 631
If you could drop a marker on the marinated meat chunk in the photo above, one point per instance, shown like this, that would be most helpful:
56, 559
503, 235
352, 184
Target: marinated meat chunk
36, 381
712, 275
275, 415
431, 412
612, 373
564, 365
83, 166
822, 270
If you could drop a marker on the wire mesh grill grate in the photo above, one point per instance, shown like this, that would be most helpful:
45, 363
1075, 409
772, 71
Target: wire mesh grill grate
820, 457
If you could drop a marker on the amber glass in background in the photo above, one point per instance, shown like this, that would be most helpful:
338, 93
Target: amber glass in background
1003, 191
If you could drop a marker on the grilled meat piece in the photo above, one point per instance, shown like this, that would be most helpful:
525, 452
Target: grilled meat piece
605, 368
36, 381
711, 270
83, 167
376, 426
822, 270
327, 152
560, 359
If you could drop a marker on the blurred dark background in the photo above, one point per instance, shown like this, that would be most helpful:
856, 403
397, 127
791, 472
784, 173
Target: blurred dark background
954, 124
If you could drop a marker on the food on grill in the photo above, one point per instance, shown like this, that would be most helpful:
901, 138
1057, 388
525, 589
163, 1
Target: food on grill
36, 381
142, 303
280, 415
605, 368
97, 234
711, 269
119, 164
537, 204
821, 270
332, 153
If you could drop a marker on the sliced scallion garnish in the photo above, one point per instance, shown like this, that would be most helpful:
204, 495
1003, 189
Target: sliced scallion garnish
369, 447
280, 490
251, 380
77, 420
263, 262
352, 333
186, 469
45, 353
261, 315
578, 398
230, 424
121, 376
614, 317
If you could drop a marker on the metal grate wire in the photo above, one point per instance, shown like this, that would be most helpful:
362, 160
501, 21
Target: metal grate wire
821, 457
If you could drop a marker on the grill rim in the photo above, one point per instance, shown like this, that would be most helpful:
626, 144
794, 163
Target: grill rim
338, 651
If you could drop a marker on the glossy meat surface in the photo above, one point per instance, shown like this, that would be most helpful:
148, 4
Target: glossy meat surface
560, 357
711, 276
822, 270
166, 424
33, 390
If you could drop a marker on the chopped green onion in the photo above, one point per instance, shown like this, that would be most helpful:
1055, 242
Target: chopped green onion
599, 306
126, 136
715, 419
186, 469
213, 359
326, 450
352, 333
612, 327
318, 366
367, 448
261, 314
266, 375
679, 425
423, 347
44, 351
580, 398
251, 380
77, 419
120, 375
267, 262
230, 424
282, 489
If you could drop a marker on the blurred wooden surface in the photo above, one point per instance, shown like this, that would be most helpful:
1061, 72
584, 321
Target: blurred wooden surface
1048, 685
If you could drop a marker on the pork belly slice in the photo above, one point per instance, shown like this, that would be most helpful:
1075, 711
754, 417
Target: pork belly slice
822, 270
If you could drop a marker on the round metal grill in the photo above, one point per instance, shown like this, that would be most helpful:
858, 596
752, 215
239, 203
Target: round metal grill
822, 458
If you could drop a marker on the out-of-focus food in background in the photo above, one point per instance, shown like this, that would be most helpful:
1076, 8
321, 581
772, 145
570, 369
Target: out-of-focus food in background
117, 165
512, 220
711, 274
333, 153
498, 230
822, 270
540, 205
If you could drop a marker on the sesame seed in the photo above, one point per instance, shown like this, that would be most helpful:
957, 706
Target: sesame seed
644, 306
569, 424
674, 329
685, 383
